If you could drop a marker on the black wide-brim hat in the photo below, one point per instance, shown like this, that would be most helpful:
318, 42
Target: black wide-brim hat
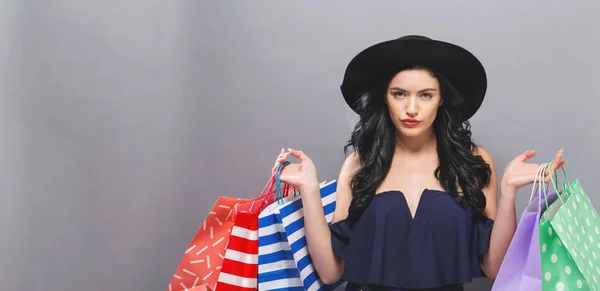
383, 60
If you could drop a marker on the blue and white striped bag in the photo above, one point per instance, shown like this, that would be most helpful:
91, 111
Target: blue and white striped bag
276, 266
292, 217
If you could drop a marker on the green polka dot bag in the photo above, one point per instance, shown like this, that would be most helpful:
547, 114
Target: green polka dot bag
569, 233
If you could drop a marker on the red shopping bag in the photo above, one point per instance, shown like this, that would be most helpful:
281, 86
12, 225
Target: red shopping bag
202, 287
202, 260
240, 266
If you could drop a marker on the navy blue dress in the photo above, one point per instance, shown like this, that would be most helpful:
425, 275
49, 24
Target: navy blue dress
387, 249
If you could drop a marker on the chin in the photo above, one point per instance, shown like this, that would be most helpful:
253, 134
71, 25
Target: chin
411, 132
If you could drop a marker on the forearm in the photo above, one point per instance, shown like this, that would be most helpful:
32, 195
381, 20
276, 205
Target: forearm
505, 225
318, 235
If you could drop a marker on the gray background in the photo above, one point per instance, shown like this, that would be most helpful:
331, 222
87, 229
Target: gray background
122, 121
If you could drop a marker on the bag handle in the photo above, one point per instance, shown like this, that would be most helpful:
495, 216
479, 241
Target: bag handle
268, 189
536, 184
278, 190
546, 169
269, 185
566, 184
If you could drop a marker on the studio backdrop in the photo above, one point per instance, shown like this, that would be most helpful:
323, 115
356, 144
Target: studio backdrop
123, 121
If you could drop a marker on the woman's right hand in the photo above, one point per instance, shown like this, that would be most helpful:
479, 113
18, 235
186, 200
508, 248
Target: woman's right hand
297, 175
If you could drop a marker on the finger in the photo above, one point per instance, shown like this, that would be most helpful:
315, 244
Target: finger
557, 158
274, 169
526, 155
282, 153
298, 154
282, 156
557, 163
280, 159
283, 175
555, 167
547, 179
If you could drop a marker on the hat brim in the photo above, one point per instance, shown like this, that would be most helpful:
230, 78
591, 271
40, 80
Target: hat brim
461, 68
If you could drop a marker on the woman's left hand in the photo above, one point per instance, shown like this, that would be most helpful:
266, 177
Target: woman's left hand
519, 173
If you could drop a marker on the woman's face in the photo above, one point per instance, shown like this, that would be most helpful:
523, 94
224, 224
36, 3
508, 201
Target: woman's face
413, 98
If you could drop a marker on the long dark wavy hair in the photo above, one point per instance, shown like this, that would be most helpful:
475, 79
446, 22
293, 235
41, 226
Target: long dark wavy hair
374, 139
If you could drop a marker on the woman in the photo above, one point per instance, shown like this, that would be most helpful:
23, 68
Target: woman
417, 203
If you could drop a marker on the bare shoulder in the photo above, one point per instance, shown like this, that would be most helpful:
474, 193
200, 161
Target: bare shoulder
344, 190
485, 155
352, 163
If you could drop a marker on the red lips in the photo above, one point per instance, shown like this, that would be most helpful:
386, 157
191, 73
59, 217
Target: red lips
410, 122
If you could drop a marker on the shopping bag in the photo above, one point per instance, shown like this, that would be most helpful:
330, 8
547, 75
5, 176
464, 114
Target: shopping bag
521, 268
276, 266
240, 265
202, 287
202, 259
292, 218
570, 241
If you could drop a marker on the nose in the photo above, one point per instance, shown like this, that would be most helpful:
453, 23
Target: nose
411, 109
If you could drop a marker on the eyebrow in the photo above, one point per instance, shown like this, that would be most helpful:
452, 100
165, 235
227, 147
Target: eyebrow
424, 90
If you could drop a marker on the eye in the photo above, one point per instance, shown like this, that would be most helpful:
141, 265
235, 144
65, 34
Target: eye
398, 94
427, 95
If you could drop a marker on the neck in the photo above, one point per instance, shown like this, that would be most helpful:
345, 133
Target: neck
416, 144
